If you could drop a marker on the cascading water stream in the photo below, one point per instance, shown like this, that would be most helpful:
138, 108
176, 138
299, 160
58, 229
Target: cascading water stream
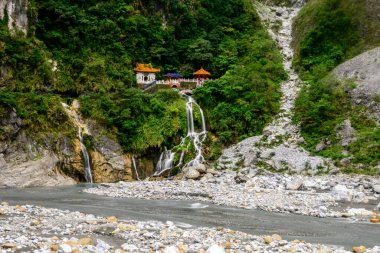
86, 157
135, 167
165, 162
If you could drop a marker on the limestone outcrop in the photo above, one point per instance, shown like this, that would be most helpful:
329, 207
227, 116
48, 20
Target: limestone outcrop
364, 71
17, 14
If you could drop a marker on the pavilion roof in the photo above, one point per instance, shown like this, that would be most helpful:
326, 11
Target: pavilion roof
140, 67
174, 75
202, 72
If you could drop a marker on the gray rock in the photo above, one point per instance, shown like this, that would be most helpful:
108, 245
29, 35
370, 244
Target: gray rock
241, 178
192, 173
17, 11
341, 193
321, 146
364, 70
201, 168
295, 184
376, 188
346, 133
322, 211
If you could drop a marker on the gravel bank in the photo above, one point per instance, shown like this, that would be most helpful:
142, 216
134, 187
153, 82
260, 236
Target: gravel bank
322, 196
38, 229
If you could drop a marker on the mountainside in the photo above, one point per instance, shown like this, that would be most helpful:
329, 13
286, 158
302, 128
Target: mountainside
338, 110
87, 50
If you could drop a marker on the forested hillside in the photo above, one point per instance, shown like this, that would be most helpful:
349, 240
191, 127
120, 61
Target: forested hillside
327, 33
88, 49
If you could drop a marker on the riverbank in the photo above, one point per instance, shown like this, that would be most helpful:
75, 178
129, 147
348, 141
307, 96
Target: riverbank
32, 228
353, 196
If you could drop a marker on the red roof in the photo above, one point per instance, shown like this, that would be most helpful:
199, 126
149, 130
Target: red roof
145, 68
202, 72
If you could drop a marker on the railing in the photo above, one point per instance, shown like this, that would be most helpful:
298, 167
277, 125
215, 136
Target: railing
149, 85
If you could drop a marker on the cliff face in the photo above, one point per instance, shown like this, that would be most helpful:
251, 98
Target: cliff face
364, 70
16, 11
56, 159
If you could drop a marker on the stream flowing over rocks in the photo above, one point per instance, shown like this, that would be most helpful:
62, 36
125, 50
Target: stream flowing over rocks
37, 229
278, 148
321, 196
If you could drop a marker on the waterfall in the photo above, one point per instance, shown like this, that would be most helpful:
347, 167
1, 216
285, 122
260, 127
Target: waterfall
165, 162
86, 157
135, 167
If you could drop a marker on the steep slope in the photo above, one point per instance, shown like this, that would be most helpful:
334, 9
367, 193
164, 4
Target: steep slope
86, 50
328, 32
278, 148
338, 116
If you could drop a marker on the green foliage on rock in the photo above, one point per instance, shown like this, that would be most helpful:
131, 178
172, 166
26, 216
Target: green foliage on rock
243, 101
140, 121
89, 48
40, 114
321, 107
327, 32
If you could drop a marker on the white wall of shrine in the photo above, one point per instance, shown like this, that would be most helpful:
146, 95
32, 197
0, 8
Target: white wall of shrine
145, 78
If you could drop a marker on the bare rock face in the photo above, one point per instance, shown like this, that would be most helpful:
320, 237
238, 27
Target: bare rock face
364, 71
346, 133
108, 162
23, 162
17, 14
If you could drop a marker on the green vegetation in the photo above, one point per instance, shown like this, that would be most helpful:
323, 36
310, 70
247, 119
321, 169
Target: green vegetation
87, 50
328, 32
40, 114
240, 103
140, 121
325, 104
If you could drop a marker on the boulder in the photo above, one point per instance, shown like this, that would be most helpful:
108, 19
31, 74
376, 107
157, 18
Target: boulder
201, 168
359, 249
322, 211
294, 185
216, 249
359, 212
376, 188
65, 248
192, 173
341, 193
346, 133
171, 249
321, 145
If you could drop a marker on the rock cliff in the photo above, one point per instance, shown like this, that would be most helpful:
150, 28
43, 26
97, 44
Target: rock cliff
17, 13
364, 71
56, 159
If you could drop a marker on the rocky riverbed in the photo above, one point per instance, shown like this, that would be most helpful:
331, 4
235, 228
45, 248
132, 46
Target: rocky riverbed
37, 229
323, 196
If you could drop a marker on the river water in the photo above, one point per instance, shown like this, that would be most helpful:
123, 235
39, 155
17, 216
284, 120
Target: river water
311, 229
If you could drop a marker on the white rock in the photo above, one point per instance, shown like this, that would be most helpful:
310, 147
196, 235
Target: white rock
322, 211
378, 207
341, 193
171, 249
360, 212
295, 184
66, 248
376, 188
129, 247
216, 249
